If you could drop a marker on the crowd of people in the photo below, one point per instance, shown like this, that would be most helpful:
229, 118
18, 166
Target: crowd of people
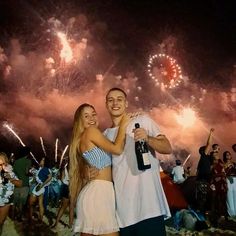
215, 185
216, 182
27, 186
100, 183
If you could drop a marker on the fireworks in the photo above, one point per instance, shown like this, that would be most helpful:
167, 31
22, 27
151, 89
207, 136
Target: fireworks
186, 159
5, 125
165, 71
186, 118
56, 147
50, 71
42, 145
63, 153
66, 52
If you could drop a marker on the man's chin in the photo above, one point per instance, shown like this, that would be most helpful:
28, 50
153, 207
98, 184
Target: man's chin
116, 114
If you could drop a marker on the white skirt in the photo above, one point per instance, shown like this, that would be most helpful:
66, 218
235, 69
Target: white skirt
231, 196
95, 209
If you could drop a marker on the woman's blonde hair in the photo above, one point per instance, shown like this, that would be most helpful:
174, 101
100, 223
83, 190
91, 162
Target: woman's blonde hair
4, 157
77, 165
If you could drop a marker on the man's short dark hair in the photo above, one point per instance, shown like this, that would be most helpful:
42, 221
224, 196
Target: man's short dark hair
116, 89
23, 151
202, 150
234, 147
214, 145
178, 162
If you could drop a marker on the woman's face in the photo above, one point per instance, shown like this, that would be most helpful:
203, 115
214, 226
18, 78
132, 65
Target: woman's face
42, 162
2, 163
228, 156
89, 117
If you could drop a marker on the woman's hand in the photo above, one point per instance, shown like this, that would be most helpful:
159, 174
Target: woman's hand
136, 114
125, 120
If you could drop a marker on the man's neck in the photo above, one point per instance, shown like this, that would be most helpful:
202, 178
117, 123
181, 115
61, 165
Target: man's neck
116, 120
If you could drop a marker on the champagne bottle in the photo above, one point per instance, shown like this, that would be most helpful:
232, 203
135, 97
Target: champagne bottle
4, 180
141, 150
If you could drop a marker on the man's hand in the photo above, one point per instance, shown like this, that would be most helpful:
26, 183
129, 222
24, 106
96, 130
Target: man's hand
140, 134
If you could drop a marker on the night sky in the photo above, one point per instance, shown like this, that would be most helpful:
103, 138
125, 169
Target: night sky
206, 30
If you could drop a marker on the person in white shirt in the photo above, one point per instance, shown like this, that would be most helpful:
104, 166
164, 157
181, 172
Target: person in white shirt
178, 173
140, 199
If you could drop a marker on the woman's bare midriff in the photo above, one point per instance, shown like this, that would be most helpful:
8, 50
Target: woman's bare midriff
105, 174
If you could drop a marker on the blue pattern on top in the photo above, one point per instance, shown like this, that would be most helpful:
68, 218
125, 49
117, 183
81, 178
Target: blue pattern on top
97, 157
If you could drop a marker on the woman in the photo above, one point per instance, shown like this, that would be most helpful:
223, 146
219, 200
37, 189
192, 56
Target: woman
55, 186
219, 188
8, 181
64, 176
43, 178
230, 166
95, 208
230, 170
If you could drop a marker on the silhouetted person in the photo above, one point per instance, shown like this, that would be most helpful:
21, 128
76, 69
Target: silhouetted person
204, 175
21, 168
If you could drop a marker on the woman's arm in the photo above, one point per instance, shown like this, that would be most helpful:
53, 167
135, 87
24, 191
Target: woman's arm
16, 182
46, 181
13, 179
97, 138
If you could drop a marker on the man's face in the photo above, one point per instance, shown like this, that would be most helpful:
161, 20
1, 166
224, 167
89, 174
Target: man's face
216, 148
216, 155
116, 103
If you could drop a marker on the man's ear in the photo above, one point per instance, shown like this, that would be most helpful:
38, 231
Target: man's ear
126, 104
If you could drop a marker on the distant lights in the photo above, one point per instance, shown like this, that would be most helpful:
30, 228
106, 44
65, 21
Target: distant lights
170, 73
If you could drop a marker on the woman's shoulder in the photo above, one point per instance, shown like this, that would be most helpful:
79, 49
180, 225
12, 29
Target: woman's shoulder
91, 131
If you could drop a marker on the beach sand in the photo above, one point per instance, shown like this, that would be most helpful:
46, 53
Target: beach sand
14, 228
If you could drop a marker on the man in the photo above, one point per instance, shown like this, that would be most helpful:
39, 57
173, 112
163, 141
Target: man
216, 147
204, 174
178, 173
141, 202
21, 168
234, 147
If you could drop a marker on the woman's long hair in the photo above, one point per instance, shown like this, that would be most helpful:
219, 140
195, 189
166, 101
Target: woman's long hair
225, 159
4, 157
77, 166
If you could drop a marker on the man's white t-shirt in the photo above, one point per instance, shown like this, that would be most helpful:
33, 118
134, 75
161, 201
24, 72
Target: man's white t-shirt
178, 172
139, 194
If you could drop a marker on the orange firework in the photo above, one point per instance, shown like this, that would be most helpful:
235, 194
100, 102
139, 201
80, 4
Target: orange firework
66, 51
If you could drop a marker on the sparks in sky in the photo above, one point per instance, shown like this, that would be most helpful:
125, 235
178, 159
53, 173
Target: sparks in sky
186, 117
56, 148
42, 145
5, 125
66, 52
63, 153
